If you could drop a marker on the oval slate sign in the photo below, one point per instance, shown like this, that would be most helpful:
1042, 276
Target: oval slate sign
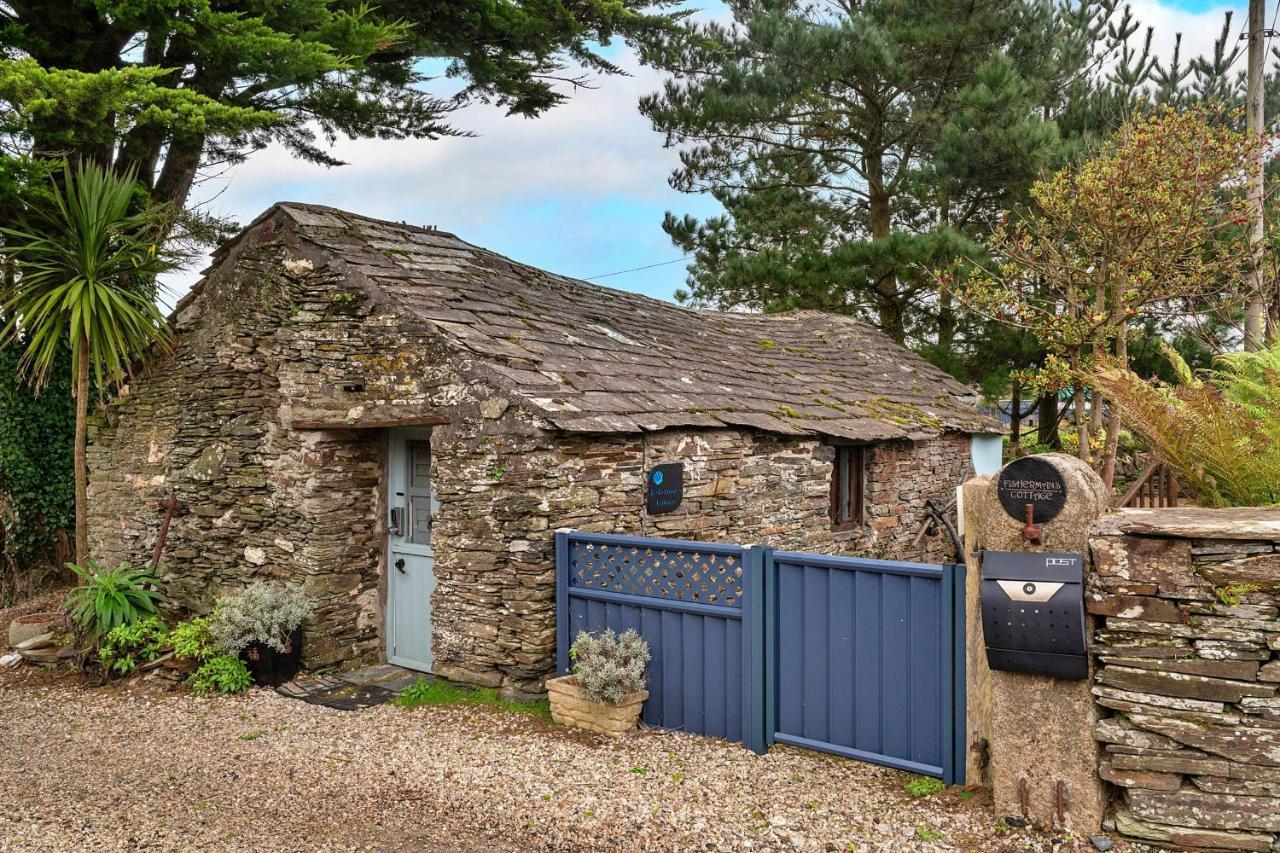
666, 488
1032, 481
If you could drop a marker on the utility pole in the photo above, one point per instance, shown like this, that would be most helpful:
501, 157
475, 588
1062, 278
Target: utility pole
1256, 318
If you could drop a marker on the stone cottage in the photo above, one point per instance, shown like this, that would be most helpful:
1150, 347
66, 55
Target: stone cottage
399, 421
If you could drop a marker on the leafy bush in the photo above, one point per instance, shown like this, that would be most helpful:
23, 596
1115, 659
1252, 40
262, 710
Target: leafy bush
261, 614
36, 433
127, 646
193, 641
608, 665
107, 599
1220, 432
221, 674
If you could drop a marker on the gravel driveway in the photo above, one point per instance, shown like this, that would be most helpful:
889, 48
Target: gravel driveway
132, 767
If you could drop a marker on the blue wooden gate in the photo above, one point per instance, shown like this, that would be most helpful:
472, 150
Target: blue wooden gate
860, 658
865, 659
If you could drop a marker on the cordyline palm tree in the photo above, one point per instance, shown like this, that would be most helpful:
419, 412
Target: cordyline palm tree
84, 263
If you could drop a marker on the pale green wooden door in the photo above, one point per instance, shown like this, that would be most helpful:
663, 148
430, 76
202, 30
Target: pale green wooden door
410, 565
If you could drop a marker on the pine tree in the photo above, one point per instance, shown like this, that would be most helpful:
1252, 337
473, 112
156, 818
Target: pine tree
856, 149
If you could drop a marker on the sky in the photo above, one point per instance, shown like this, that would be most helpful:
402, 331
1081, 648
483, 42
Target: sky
579, 191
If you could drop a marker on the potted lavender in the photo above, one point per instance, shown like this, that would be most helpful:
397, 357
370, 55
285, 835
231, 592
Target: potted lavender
605, 691
263, 625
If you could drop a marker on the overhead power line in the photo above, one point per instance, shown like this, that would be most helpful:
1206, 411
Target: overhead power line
637, 269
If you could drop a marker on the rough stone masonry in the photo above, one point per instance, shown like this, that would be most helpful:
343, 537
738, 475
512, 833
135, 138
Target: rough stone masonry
315, 331
1188, 673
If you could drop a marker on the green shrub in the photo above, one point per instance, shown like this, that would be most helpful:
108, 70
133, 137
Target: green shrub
127, 646
261, 614
221, 674
923, 786
609, 665
107, 599
192, 640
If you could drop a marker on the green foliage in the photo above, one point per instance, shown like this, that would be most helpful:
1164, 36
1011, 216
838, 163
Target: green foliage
437, 691
1087, 263
74, 109
260, 614
221, 674
857, 149
36, 435
106, 599
1220, 430
1232, 594
192, 640
923, 786
85, 264
808, 129
166, 87
925, 834
128, 645
609, 666
852, 161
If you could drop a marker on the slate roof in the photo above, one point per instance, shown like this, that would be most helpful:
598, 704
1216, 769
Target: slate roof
593, 359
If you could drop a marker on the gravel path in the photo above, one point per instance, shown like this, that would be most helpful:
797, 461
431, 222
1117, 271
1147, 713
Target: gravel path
131, 767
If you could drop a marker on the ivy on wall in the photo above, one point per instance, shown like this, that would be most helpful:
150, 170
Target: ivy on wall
37, 496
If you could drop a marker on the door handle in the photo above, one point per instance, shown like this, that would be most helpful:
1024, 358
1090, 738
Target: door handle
400, 566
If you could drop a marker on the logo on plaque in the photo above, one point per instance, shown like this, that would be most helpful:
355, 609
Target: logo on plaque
1031, 480
666, 488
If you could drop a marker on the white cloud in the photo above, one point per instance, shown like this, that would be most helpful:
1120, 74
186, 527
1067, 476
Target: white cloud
1199, 29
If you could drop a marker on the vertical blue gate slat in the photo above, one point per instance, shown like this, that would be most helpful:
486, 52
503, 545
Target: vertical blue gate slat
860, 658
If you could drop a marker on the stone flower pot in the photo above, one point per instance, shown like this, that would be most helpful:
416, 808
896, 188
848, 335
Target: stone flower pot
271, 668
32, 625
571, 707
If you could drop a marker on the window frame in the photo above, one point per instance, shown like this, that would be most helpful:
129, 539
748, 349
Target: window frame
850, 459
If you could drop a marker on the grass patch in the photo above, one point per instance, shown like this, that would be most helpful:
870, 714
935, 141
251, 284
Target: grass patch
437, 691
925, 834
923, 786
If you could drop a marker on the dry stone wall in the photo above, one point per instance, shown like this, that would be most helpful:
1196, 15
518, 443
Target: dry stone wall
1188, 672
505, 486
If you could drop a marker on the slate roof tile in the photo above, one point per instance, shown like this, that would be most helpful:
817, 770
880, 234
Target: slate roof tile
593, 359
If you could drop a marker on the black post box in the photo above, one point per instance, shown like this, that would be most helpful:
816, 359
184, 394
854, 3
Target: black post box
1033, 613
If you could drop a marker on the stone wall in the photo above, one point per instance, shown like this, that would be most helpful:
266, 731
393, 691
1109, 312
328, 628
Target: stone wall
1189, 606
268, 422
272, 338
505, 487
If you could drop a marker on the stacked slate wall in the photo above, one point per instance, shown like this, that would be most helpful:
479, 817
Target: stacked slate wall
1188, 607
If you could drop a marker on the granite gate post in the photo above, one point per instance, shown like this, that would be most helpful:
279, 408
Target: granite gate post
1041, 759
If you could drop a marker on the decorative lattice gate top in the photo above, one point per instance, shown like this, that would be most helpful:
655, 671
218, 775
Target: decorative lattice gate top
691, 572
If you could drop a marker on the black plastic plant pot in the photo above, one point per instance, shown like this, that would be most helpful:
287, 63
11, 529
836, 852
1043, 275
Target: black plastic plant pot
270, 667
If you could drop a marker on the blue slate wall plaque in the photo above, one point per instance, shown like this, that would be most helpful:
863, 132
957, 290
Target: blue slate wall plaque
665, 488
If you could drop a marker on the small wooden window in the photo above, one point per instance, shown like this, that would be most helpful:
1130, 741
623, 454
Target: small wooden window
847, 487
